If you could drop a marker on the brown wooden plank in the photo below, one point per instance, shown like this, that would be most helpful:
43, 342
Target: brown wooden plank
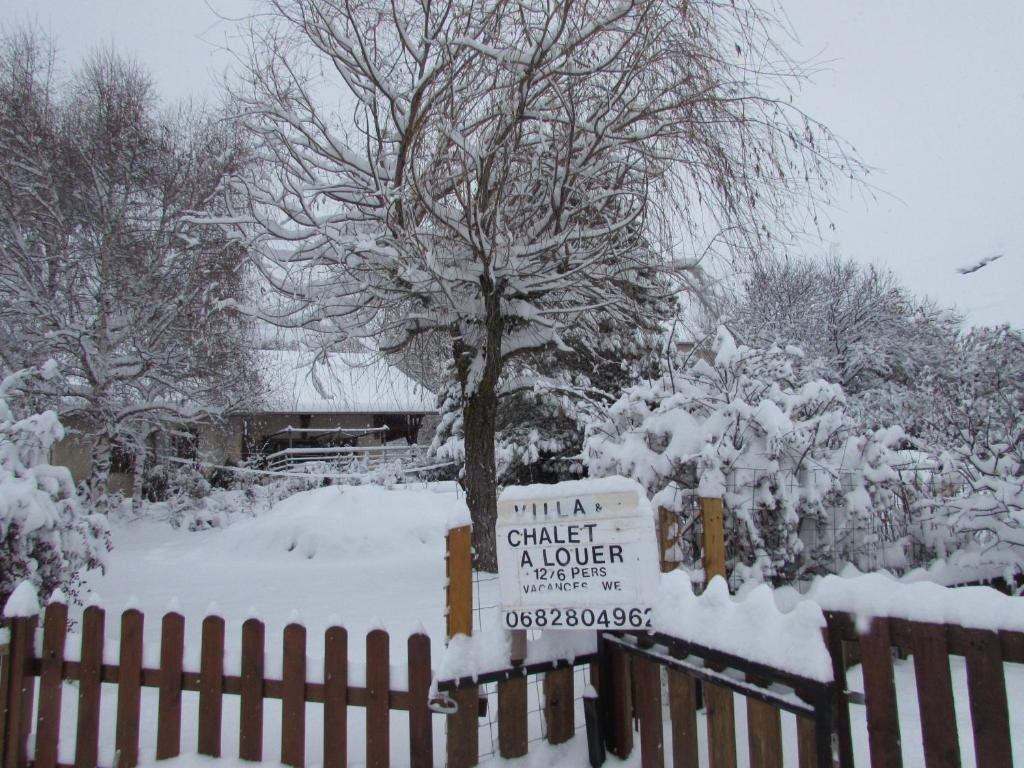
718, 704
764, 734
55, 629
462, 742
89, 685
648, 701
129, 688
839, 629
1013, 646
378, 724
986, 687
421, 733
211, 686
513, 733
20, 691
558, 705
714, 537
460, 581
464, 750
172, 648
935, 695
807, 747
880, 696
335, 698
293, 697
682, 706
620, 708
250, 707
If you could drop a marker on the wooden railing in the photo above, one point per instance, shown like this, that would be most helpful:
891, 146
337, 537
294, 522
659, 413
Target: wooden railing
18, 684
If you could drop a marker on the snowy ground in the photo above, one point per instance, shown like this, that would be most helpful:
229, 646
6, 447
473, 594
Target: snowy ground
364, 557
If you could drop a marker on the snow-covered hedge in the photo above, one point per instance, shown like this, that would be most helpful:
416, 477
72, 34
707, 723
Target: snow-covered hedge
802, 485
45, 535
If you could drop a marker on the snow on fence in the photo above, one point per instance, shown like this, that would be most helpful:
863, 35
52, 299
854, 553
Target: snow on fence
24, 676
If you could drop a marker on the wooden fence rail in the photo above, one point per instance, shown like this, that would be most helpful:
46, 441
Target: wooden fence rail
20, 670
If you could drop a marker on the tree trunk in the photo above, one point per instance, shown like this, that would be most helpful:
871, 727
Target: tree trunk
99, 477
479, 382
478, 419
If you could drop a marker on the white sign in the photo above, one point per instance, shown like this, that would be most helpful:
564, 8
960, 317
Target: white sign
576, 561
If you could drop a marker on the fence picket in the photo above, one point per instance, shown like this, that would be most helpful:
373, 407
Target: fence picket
335, 698
172, 649
764, 734
986, 688
880, 696
378, 725
293, 697
129, 688
806, 743
838, 649
89, 674
20, 691
648, 695
682, 704
558, 705
51, 683
250, 707
421, 734
935, 695
513, 735
211, 686
721, 717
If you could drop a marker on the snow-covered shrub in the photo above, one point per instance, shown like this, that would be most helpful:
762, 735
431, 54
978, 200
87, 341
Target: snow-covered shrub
979, 421
45, 535
803, 488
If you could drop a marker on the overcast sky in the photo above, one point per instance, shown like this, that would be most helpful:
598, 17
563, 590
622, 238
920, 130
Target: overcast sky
930, 92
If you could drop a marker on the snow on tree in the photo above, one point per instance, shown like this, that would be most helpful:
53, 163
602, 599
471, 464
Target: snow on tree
977, 433
45, 536
802, 486
495, 173
104, 267
856, 325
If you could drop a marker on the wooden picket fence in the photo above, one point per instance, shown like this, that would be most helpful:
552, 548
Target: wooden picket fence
20, 668
986, 652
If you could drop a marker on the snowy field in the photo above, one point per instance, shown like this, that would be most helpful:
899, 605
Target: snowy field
364, 557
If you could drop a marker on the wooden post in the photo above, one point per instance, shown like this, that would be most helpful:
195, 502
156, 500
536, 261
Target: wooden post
172, 646
666, 538
714, 538
463, 735
20, 691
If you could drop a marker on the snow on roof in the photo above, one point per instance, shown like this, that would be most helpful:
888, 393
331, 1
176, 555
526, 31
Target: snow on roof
338, 382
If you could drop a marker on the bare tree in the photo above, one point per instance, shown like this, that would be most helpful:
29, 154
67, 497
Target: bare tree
104, 269
497, 173
856, 325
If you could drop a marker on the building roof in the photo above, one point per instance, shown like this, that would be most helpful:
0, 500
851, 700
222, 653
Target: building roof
296, 381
